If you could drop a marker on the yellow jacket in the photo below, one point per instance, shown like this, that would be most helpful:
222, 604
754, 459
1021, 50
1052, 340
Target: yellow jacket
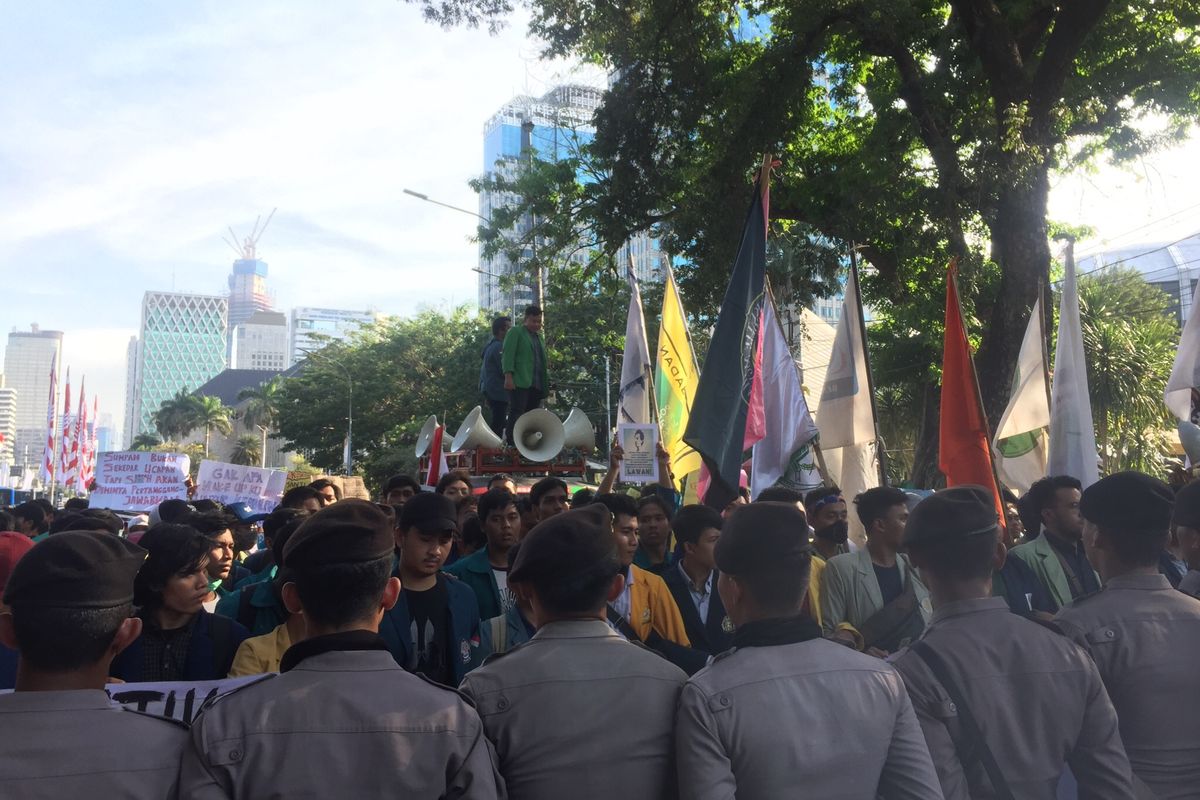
651, 606
261, 654
814, 587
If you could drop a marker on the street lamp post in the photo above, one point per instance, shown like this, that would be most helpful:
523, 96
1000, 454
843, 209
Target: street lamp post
348, 454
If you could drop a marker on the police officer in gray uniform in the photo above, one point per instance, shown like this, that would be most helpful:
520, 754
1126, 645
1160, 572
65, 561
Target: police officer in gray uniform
1004, 702
71, 600
577, 712
786, 712
343, 719
1143, 635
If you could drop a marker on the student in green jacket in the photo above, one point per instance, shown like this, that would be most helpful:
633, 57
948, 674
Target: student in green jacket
524, 363
486, 570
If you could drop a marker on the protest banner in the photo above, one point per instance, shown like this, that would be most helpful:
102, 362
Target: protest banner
138, 481
640, 443
233, 483
177, 700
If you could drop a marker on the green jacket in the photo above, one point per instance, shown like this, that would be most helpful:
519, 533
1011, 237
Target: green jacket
517, 357
1039, 555
476, 571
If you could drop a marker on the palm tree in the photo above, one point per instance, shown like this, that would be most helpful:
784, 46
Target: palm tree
173, 416
213, 415
246, 451
262, 410
145, 441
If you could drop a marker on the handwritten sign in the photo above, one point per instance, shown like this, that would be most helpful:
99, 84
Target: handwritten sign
233, 483
138, 481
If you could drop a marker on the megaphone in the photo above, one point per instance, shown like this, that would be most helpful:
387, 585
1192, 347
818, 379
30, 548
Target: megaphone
425, 439
474, 433
1189, 437
578, 431
538, 435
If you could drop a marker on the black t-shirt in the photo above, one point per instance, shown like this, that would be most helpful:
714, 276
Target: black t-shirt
430, 628
890, 584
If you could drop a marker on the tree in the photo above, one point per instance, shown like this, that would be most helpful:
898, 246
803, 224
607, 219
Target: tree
174, 415
920, 131
145, 441
246, 451
262, 410
211, 414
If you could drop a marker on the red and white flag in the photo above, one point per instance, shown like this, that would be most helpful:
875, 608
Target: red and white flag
71, 473
64, 453
82, 438
49, 455
437, 459
91, 440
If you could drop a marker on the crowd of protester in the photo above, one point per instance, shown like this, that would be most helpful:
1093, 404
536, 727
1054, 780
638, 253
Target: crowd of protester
488, 640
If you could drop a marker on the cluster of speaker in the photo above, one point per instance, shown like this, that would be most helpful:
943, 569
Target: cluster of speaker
539, 435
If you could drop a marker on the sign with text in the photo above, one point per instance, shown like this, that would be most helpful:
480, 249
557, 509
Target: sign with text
233, 483
640, 444
138, 481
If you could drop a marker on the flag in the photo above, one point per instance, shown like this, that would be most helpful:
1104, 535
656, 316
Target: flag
93, 443
721, 426
71, 475
49, 455
1072, 437
1021, 439
963, 452
437, 459
1183, 385
82, 440
675, 380
633, 402
64, 456
785, 454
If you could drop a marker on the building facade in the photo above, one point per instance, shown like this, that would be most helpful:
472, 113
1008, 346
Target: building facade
260, 342
8, 423
313, 328
182, 345
247, 290
1174, 268
28, 359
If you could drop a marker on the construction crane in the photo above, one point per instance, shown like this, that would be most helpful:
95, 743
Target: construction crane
249, 247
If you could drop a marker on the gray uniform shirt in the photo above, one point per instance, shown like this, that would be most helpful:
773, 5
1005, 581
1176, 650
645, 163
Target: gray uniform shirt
1037, 698
1145, 638
578, 712
340, 724
79, 744
813, 719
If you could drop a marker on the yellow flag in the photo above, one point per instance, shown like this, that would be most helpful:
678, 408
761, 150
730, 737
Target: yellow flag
675, 381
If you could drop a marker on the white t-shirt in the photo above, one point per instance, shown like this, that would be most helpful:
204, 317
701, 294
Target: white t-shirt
506, 597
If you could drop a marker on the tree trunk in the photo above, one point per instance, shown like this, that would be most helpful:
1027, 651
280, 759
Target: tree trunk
1021, 248
262, 456
925, 471
207, 432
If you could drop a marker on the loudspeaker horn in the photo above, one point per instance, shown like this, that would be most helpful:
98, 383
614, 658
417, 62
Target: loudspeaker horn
475, 433
538, 435
425, 439
1189, 437
578, 431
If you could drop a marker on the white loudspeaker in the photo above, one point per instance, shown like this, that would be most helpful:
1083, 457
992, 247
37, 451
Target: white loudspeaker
1189, 437
577, 429
538, 435
475, 433
425, 439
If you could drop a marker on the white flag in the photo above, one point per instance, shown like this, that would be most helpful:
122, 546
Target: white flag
633, 403
1020, 442
785, 454
845, 408
1072, 436
1185, 375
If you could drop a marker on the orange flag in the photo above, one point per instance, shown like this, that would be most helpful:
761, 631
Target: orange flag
964, 453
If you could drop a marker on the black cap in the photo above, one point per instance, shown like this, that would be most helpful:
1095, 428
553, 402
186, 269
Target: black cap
429, 513
1187, 506
760, 536
955, 513
565, 546
1128, 501
350, 532
76, 569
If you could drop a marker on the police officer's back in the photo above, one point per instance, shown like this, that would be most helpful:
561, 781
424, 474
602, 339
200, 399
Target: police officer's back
983, 677
343, 719
60, 736
786, 712
1143, 635
577, 712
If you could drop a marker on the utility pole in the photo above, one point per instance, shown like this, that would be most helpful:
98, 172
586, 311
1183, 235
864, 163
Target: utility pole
527, 164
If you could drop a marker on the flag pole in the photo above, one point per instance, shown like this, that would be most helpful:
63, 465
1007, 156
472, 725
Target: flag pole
881, 454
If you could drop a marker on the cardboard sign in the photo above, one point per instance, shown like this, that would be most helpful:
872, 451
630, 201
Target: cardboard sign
640, 443
233, 483
138, 481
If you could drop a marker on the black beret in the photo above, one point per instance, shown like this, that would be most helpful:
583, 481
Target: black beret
76, 569
1187, 506
1128, 501
429, 513
566, 545
762, 535
955, 513
348, 532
